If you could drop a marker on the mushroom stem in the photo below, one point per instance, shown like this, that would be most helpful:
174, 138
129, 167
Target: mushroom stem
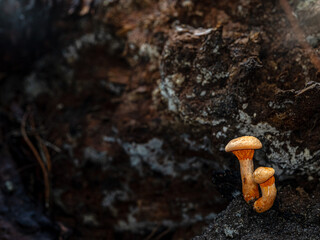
264, 176
250, 189
269, 193
243, 148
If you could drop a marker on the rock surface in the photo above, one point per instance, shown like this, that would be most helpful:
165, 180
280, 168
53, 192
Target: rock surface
232, 81
138, 100
295, 215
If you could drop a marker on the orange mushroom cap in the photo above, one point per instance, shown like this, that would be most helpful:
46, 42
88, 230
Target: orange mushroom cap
242, 143
262, 174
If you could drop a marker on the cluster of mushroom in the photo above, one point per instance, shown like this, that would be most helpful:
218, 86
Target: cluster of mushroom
243, 148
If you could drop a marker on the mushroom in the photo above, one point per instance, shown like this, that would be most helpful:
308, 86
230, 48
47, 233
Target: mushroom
264, 177
243, 148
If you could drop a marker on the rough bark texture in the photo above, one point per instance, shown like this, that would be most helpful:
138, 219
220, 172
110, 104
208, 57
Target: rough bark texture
136, 101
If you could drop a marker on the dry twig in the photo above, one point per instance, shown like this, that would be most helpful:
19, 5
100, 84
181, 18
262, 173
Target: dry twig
38, 158
43, 148
152, 233
163, 234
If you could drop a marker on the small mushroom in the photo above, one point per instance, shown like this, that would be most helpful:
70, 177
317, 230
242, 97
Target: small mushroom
243, 148
264, 177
